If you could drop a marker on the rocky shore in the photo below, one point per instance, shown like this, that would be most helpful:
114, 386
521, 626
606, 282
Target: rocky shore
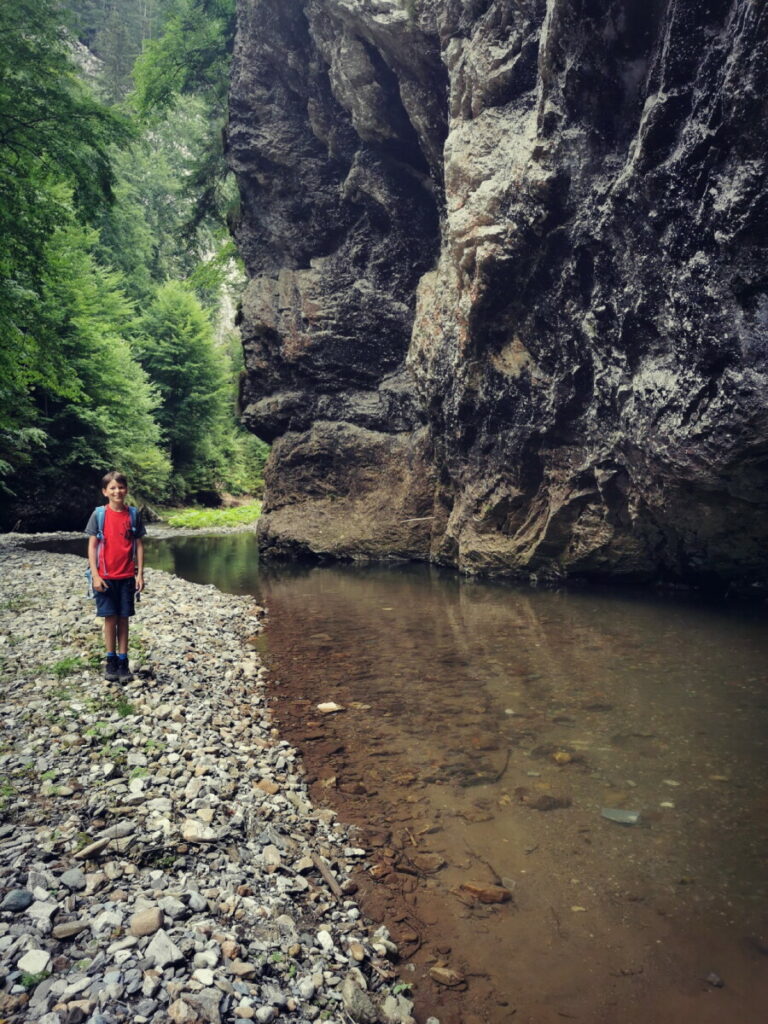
160, 859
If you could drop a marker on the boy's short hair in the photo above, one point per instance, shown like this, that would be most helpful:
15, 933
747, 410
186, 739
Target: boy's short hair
113, 474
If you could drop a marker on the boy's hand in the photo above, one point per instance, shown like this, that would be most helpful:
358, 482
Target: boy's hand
139, 583
99, 584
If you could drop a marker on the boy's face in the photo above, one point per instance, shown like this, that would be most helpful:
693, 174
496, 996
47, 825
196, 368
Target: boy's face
115, 492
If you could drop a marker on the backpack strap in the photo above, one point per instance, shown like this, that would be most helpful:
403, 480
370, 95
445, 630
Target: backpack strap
134, 513
100, 512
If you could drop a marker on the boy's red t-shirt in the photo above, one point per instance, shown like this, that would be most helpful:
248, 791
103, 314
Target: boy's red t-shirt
116, 561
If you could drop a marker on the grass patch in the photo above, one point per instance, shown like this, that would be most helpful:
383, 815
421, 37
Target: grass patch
100, 729
120, 704
30, 981
111, 752
202, 518
67, 666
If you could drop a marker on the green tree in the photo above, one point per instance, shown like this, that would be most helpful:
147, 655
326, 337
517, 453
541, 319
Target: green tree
51, 131
55, 142
74, 398
101, 411
118, 43
89, 405
192, 57
115, 31
143, 232
178, 351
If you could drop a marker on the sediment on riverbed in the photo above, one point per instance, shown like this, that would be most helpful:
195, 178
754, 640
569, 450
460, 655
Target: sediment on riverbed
160, 858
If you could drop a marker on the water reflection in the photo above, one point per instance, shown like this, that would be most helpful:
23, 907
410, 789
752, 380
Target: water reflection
228, 561
654, 705
486, 728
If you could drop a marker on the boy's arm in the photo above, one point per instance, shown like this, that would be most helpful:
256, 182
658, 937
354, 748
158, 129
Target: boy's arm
139, 564
98, 582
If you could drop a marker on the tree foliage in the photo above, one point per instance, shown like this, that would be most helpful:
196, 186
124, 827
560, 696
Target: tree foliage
72, 397
147, 232
178, 352
115, 32
192, 58
107, 358
52, 132
88, 404
102, 407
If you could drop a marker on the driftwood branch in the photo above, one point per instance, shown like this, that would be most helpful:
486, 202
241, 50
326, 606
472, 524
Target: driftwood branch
325, 871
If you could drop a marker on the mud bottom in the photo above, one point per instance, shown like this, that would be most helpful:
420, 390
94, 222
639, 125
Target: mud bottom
599, 759
563, 798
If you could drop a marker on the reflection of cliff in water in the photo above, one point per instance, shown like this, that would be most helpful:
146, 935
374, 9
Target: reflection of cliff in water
436, 652
491, 725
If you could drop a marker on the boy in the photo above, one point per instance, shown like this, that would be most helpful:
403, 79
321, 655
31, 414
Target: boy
117, 568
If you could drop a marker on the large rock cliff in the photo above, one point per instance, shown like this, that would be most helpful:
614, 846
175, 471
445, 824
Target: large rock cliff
508, 299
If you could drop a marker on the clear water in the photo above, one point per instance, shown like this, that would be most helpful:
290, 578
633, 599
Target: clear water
472, 707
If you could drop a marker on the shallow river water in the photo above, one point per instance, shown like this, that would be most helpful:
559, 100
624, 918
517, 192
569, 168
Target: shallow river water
487, 731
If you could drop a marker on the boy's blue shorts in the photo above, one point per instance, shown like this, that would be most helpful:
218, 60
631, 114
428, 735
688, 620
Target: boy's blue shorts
117, 599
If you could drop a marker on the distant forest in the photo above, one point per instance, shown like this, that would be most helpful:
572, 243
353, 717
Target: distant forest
118, 278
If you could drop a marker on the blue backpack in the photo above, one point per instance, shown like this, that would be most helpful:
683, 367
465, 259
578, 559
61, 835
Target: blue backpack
100, 512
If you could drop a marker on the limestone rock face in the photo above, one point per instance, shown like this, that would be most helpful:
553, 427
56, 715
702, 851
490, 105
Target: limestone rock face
508, 299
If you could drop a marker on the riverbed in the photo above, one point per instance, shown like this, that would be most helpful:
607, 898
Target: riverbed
597, 755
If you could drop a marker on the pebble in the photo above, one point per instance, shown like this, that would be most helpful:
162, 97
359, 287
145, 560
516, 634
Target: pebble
147, 922
446, 976
17, 900
171, 873
163, 951
74, 879
203, 975
69, 929
34, 962
265, 1014
356, 1002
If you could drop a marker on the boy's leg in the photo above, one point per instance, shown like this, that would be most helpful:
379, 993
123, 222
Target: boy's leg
124, 674
122, 634
110, 638
110, 633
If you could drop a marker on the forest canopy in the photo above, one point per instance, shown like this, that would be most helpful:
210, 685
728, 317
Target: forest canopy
115, 261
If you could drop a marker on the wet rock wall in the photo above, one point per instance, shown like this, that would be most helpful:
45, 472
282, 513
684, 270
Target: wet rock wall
508, 299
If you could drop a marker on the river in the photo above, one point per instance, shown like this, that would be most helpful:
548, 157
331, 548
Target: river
490, 738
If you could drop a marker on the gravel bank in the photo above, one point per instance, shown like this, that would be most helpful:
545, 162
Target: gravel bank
160, 858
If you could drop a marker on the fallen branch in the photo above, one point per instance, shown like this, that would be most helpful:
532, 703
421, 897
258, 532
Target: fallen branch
325, 871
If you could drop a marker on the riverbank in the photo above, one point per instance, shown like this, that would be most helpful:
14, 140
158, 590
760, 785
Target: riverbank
160, 857
157, 531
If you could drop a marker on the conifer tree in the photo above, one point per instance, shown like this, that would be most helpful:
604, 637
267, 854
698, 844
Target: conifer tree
178, 352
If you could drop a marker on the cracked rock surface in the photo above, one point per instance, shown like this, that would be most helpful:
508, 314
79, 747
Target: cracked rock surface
508, 303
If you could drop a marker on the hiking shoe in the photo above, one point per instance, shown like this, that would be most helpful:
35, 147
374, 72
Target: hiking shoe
110, 669
124, 674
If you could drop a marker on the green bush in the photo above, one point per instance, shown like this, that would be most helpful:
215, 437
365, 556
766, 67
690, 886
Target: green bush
201, 518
